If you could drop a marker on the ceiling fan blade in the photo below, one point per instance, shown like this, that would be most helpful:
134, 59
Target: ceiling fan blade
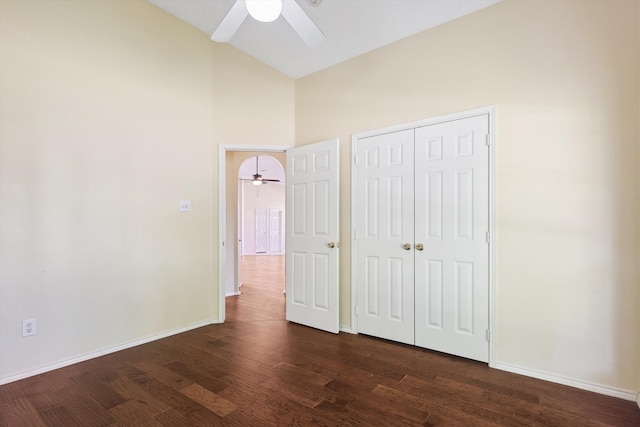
270, 180
301, 23
231, 22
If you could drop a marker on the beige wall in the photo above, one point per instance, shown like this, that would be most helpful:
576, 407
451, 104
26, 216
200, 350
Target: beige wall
110, 113
564, 77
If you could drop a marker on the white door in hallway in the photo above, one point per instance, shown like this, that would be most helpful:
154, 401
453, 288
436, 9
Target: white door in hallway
261, 230
275, 230
452, 224
311, 245
385, 260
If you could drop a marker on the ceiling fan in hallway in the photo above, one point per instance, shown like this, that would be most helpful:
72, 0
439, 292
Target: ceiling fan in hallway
269, 11
257, 178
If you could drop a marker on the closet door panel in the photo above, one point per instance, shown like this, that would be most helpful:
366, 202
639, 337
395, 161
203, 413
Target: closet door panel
385, 192
451, 222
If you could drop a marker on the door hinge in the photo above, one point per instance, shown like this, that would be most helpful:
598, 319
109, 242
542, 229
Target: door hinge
355, 234
356, 309
355, 159
488, 237
487, 139
488, 334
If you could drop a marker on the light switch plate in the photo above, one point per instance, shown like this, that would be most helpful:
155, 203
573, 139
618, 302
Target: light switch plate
185, 205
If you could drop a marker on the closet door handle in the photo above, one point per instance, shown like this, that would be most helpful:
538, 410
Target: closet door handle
419, 246
406, 246
331, 245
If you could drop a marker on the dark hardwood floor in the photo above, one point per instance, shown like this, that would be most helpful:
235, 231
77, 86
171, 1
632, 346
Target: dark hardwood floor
259, 370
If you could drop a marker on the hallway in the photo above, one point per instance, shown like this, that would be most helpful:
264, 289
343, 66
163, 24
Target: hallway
261, 298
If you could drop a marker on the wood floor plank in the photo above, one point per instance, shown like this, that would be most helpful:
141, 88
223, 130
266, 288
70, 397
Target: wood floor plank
133, 413
164, 375
257, 369
99, 390
216, 404
146, 403
19, 412
84, 408
59, 416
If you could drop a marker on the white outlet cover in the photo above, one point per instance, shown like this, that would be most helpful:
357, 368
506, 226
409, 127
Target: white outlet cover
28, 327
185, 205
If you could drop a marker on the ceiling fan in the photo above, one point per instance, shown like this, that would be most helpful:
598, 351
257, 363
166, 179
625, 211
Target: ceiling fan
268, 11
258, 179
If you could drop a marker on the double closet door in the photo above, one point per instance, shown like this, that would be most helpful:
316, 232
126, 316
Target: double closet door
421, 239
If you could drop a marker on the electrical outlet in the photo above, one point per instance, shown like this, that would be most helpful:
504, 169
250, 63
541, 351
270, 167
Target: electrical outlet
185, 205
28, 327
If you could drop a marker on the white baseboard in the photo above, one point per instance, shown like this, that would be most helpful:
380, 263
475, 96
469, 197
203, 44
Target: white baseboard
572, 382
638, 399
93, 355
346, 329
232, 294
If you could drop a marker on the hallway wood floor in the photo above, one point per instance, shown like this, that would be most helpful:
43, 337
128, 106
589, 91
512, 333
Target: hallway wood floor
259, 370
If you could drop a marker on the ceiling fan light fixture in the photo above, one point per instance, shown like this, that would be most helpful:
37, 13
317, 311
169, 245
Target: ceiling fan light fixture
264, 10
256, 182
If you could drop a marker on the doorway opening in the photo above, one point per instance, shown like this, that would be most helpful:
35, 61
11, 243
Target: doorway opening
238, 254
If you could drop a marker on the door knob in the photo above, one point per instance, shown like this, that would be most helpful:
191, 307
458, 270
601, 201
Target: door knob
406, 246
419, 246
331, 245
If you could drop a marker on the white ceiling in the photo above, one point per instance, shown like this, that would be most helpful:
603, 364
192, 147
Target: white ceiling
351, 27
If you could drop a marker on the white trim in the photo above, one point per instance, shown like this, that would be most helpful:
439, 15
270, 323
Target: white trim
232, 294
493, 301
354, 243
346, 329
489, 110
93, 355
222, 211
572, 382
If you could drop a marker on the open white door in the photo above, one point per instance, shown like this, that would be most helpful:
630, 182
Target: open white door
311, 245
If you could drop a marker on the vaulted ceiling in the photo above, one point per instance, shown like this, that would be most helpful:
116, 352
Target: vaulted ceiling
351, 27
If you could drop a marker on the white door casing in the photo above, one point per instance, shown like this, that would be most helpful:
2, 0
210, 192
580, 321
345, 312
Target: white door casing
452, 222
311, 245
261, 230
385, 266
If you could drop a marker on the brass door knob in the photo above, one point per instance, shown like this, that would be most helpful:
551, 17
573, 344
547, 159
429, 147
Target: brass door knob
406, 246
419, 246
331, 245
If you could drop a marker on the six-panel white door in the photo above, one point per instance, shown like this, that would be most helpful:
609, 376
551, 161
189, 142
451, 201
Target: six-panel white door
311, 245
385, 260
427, 188
452, 222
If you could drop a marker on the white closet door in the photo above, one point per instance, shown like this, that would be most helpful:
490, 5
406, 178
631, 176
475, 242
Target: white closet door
452, 206
385, 207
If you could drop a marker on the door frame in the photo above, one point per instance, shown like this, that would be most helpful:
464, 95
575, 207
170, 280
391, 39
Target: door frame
222, 212
489, 110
